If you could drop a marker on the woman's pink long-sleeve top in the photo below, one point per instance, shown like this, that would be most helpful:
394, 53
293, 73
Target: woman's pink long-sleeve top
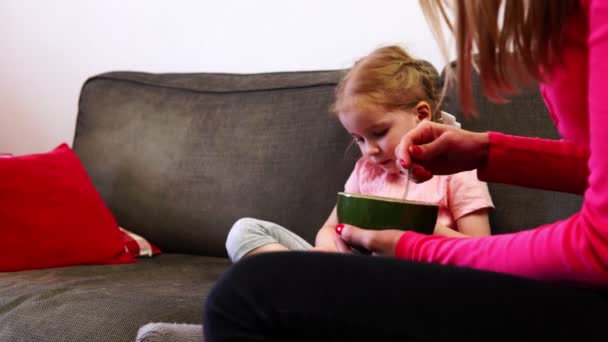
574, 249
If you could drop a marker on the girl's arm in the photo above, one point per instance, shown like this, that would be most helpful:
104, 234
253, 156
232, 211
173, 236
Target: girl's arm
476, 223
326, 235
325, 240
442, 230
469, 202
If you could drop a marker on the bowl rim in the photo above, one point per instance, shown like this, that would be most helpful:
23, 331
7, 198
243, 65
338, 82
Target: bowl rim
386, 199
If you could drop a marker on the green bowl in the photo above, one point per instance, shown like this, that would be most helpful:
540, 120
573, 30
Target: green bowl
373, 212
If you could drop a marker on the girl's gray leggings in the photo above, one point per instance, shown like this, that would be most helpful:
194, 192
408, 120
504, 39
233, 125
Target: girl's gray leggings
248, 234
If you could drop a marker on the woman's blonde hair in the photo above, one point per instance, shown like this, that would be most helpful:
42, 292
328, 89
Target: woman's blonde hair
390, 79
515, 41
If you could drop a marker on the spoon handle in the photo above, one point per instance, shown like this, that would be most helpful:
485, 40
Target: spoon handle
407, 173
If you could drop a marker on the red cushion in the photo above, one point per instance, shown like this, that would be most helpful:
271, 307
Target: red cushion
51, 215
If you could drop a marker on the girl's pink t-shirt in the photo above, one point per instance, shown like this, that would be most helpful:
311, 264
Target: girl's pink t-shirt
456, 195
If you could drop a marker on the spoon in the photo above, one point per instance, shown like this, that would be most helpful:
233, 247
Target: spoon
407, 173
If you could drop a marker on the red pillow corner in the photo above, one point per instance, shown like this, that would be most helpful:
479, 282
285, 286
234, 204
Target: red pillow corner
51, 215
137, 245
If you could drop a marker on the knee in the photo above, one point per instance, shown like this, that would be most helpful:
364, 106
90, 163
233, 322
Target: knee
245, 224
242, 231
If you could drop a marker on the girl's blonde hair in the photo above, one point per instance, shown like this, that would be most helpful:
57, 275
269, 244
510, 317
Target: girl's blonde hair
515, 41
388, 79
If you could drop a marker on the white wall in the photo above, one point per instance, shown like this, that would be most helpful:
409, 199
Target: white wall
50, 47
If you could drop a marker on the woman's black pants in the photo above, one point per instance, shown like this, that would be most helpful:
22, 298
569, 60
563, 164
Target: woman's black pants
304, 296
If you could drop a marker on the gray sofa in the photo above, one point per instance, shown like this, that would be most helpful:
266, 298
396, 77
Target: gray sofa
178, 158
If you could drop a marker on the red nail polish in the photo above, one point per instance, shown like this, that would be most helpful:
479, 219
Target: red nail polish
416, 150
339, 228
403, 163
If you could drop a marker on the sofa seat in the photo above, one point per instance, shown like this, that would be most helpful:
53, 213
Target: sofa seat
68, 303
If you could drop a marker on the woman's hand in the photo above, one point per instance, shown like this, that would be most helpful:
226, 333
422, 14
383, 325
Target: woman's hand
379, 242
436, 149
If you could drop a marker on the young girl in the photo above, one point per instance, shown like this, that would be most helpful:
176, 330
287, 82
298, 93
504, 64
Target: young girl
385, 95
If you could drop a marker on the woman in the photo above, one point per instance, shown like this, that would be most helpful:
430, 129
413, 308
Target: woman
544, 283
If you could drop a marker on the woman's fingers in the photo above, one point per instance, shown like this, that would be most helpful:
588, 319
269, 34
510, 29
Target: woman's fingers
352, 235
420, 145
435, 149
380, 242
420, 174
422, 134
341, 246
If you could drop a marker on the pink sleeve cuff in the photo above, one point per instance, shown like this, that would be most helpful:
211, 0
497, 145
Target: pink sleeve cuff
409, 244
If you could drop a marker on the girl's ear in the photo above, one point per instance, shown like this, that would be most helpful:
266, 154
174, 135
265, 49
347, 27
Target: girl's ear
423, 111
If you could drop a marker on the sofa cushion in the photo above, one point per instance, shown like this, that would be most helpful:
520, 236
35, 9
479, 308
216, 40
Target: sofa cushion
105, 303
51, 215
179, 158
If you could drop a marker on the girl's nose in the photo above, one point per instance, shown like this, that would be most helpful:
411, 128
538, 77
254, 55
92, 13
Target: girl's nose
371, 149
